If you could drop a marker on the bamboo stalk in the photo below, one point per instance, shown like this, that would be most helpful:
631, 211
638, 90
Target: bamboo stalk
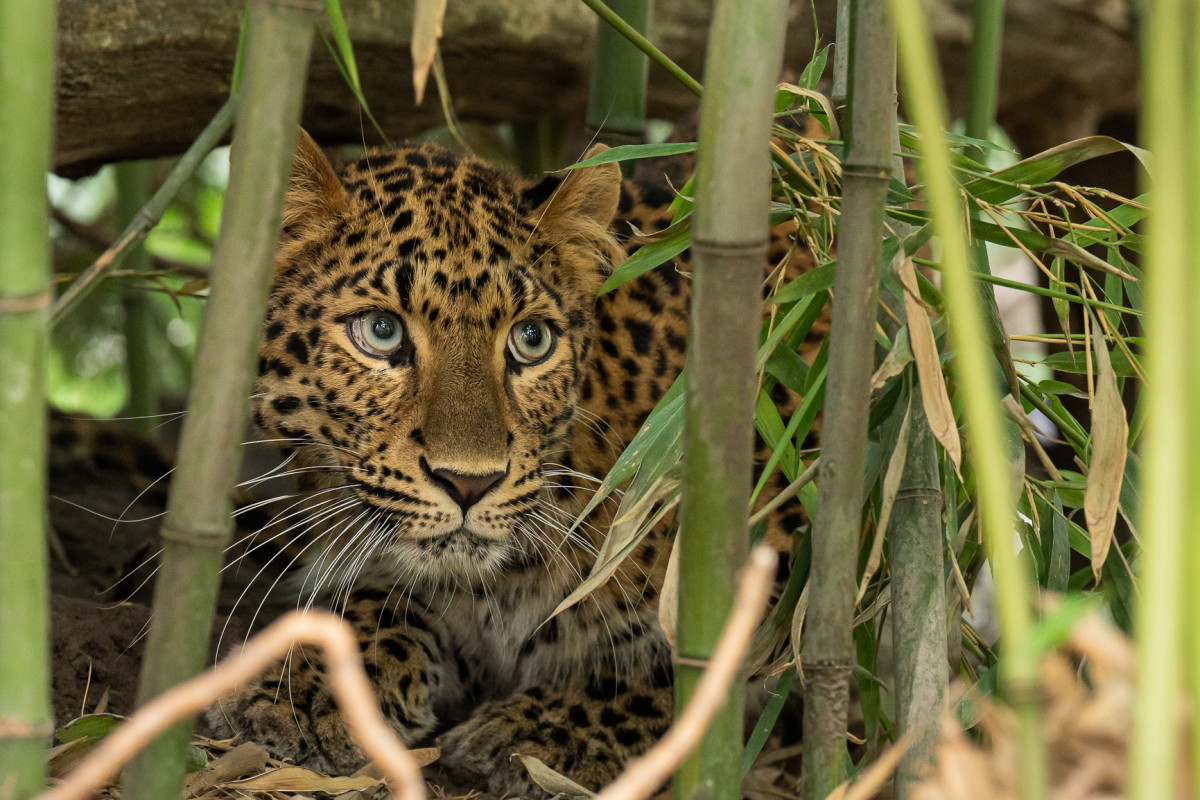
983, 85
729, 246
919, 602
971, 366
1165, 503
135, 232
26, 100
983, 71
141, 376
642, 43
1191, 611
617, 95
198, 523
828, 655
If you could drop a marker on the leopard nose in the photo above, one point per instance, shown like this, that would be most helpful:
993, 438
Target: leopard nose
463, 488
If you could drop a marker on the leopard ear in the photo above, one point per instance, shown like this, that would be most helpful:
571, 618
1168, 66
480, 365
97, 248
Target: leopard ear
314, 190
587, 195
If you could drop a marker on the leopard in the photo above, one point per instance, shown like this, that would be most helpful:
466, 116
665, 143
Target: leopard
452, 385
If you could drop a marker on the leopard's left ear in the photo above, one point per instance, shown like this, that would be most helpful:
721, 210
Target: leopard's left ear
561, 202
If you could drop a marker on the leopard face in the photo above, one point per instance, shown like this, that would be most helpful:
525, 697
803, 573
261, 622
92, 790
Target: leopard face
430, 324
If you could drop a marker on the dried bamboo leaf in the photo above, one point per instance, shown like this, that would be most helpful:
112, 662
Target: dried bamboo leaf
934, 396
668, 598
244, 759
1110, 433
427, 29
299, 779
899, 357
553, 782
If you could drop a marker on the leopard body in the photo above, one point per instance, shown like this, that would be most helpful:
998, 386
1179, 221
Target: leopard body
444, 474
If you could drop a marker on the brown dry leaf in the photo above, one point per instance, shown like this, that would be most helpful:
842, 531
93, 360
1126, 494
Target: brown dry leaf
1110, 432
553, 782
299, 779
427, 29
668, 598
934, 396
241, 760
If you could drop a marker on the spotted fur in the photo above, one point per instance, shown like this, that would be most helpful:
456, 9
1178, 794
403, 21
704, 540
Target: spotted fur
444, 474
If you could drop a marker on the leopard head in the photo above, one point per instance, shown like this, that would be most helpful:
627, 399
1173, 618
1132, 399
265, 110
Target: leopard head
429, 325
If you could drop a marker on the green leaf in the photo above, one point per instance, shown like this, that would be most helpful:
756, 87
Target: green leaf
648, 257
91, 727
1007, 183
766, 720
1076, 363
808, 284
815, 68
1056, 546
631, 152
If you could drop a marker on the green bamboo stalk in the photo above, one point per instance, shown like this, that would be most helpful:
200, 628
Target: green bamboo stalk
919, 602
828, 655
642, 43
141, 376
983, 84
1191, 567
616, 111
841, 60
135, 232
1165, 503
729, 246
983, 70
971, 366
26, 287
198, 525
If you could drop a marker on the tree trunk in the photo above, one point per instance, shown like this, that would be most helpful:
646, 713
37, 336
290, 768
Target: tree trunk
140, 78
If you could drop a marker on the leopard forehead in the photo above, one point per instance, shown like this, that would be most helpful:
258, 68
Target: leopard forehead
456, 250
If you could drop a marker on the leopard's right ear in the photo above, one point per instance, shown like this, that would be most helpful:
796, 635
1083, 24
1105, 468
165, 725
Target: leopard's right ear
314, 190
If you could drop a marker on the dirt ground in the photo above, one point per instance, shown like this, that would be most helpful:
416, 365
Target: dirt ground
104, 541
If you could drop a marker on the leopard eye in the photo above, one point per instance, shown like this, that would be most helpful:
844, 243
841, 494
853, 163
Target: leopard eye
530, 341
377, 333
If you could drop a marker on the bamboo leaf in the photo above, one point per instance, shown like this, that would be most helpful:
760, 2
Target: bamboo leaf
1076, 364
1110, 433
427, 29
766, 720
934, 397
668, 597
1007, 183
648, 257
899, 357
666, 419
557, 784
631, 152
891, 486
299, 779
1056, 546
808, 284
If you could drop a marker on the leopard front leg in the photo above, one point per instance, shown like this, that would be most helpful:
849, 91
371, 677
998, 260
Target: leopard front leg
290, 710
586, 732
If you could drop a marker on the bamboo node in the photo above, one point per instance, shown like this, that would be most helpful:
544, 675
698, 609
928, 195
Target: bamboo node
871, 172
311, 6
13, 728
34, 301
197, 538
690, 661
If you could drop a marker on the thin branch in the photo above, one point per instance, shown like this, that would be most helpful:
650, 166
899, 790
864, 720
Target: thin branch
149, 216
92, 236
347, 680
